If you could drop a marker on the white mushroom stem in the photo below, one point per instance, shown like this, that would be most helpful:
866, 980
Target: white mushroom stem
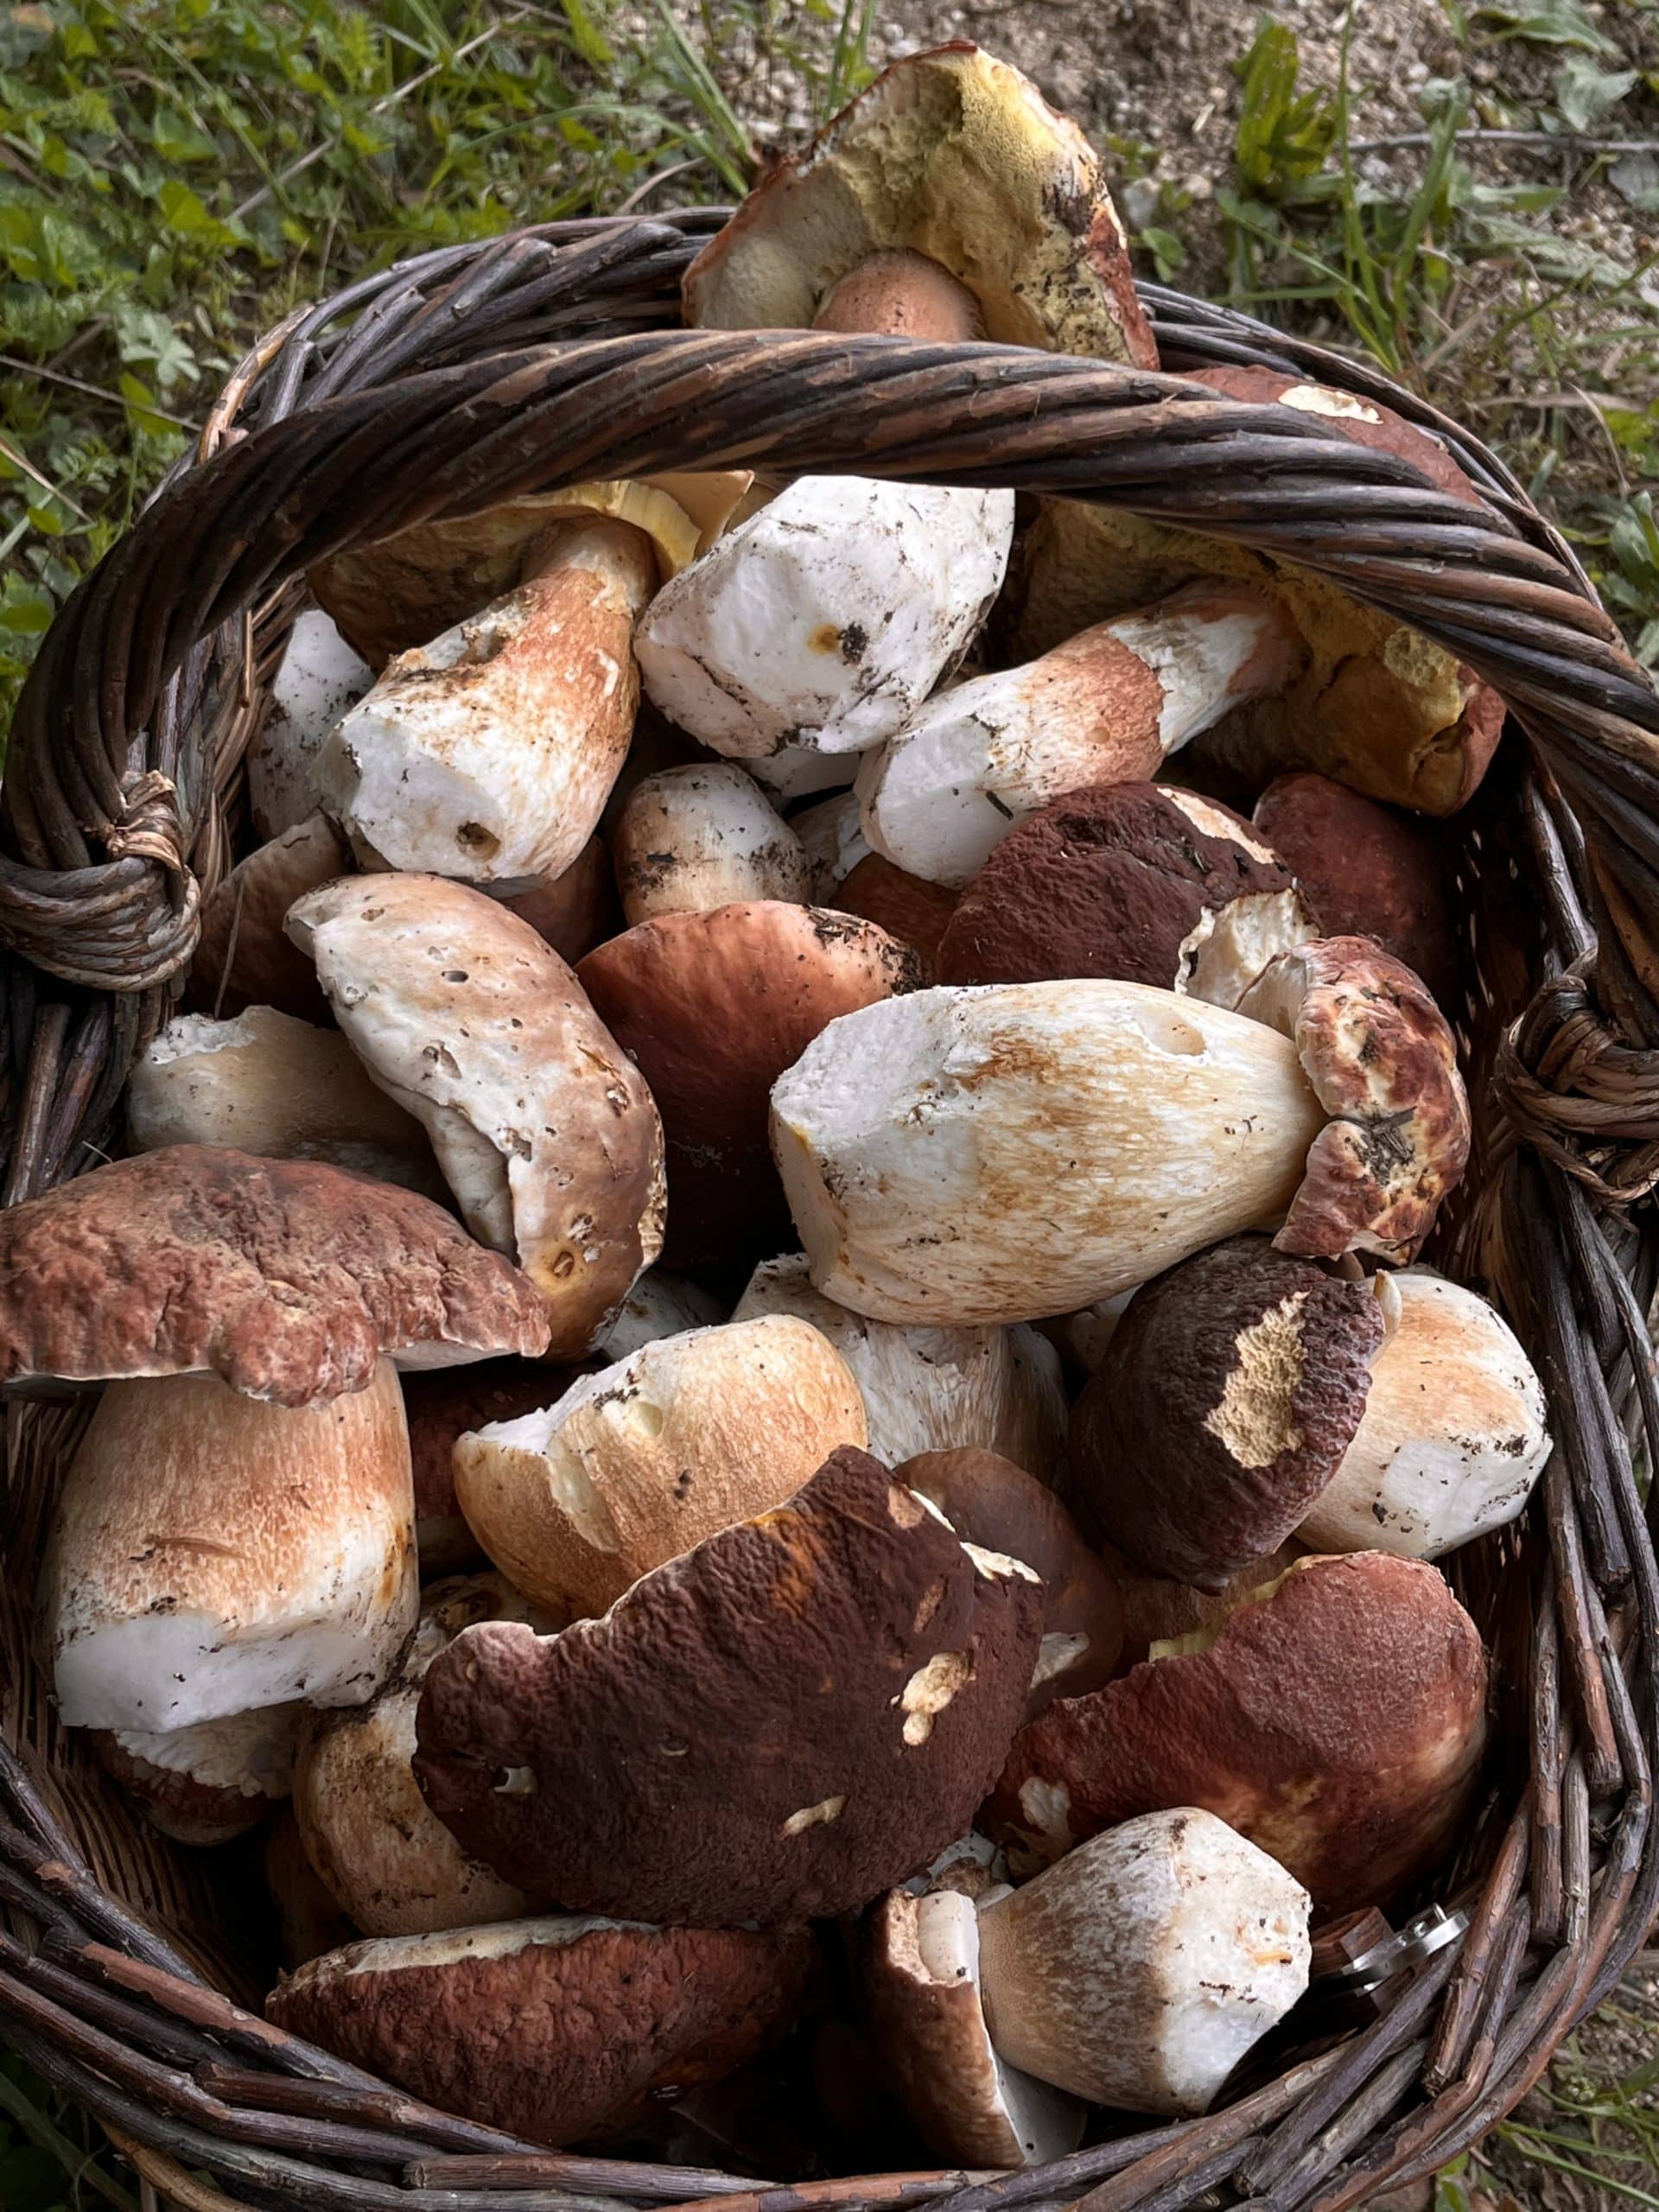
698, 838
488, 753
659, 1305
1002, 1155
1106, 707
1138, 1970
821, 623
832, 836
319, 679
1452, 1438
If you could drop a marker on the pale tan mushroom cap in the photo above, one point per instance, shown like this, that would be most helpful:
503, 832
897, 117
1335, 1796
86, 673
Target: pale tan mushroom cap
955, 156
242, 957
694, 838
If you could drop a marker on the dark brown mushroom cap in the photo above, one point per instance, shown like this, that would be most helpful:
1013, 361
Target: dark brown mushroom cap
1113, 881
714, 1006
1226, 1398
1384, 1064
553, 2030
992, 1503
242, 957
443, 1405
1157, 1610
914, 911
1370, 870
1339, 1723
779, 1724
286, 1278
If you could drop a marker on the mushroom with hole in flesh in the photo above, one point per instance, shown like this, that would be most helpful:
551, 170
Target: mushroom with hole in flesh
440, 1409
264, 1083
242, 957
1337, 1718
1139, 882
1370, 870
928, 1389
1139, 1971
392, 1868
543, 1125
211, 1555
1108, 706
811, 631
693, 838
209, 1783
780, 1723
639, 1461
920, 1980
998, 1507
319, 679
998, 1154
713, 1007
556, 2029
1377, 705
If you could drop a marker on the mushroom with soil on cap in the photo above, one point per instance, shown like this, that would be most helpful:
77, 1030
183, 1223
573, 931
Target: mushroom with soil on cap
1337, 1718
556, 2029
543, 1125
779, 1723
1249, 1396
1373, 704
997, 1507
264, 1083
211, 1782
242, 957
319, 679
1141, 881
1109, 705
928, 1389
713, 1007
1139, 1971
638, 1462
390, 1865
701, 836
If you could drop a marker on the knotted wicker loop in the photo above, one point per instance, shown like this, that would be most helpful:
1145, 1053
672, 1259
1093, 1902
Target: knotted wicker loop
1572, 1087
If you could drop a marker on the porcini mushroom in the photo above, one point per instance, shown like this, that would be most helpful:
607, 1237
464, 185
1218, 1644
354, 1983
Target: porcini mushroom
242, 957
319, 679
211, 1555
640, 1461
1374, 704
393, 1869
997, 1506
928, 1389
1107, 706
542, 1127
267, 1084
697, 837
1141, 881
920, 1984
555, 2029
916, 913
1336, 1719
781, 1723
576, 910
832, 837
991, 1155
713, 1007
1139, 1971
659, 1305
440, 1409
209, 1783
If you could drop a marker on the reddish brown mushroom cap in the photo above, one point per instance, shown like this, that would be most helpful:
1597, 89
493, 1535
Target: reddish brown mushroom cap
996, 1505
574, 911
1143, 882
1338, 1722
916, 913
443, 1406
242, 957
714, 1007
1226, 1398
779, 1723
1383, 1065
287, 1278
555, 2029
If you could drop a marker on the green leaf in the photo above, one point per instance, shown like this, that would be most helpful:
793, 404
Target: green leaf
1584, 93
188, 216
588, 40
1635, 179
177, 139
1166, 249
25, 609
1283, 135
1554, 22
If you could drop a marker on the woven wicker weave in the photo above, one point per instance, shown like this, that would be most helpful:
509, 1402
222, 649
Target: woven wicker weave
479, 372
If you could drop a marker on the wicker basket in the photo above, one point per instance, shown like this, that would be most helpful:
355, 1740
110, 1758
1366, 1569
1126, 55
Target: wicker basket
475, 374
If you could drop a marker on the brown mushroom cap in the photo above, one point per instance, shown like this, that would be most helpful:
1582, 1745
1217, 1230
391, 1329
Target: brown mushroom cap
781, 1723
1141, 881
992, 1503
287, 1278
555, 2028
1370, 871
955, 156
1338, 1722
714, 1007
1156, 1610
916, 913
441, 1408
1384, 1064
1226, 1398
576, 910
242, 957
210, 1783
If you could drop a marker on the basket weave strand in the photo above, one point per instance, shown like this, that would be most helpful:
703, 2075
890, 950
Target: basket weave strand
477, 373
